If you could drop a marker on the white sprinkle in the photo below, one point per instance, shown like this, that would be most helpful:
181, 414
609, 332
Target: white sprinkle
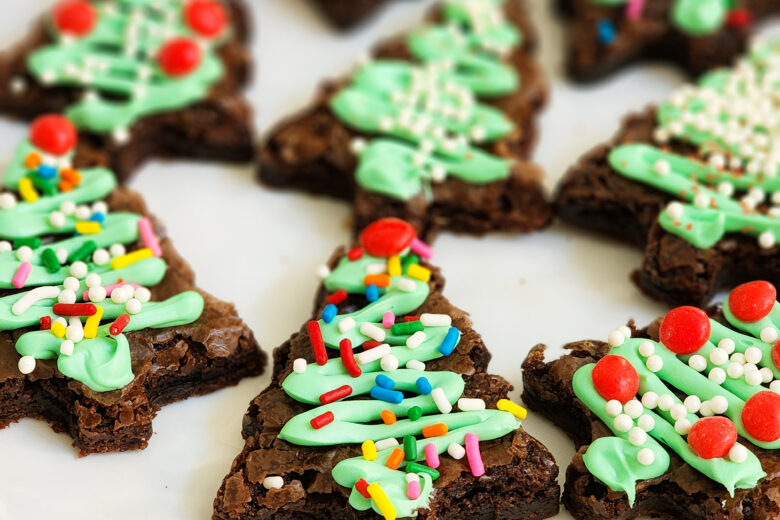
616, 338
701, 200
57, 219
662, 167
650, 400
357, 145
637, 436
71, 284
766, 239
754, 354
389, 363
412, 477
646, 422
62, 255
101, 257
97, 294
299, 366
706, 409
738, 453
623, 423
719, 356
727, 345
24, 254
768, 335
440, 398
654, 363
614, 408
646, 348
273, 482
18, 85
665, 402
738, 357
633, 408
142, 294
386, 443
75, 331
117, 250
456, 451
645, 456
28, 299
766, 374
119, 295
754, 378
719, 404
415, 340
697, 362
682, 426
692, 403
346, 324
100, 207
678, 411
435, 320
625, 330
414, 364
5, 246
717, 376
67, 347
66, 296
323, 271
372, 331
26, 364
407, 285
68, 207
133, 306
372, 354
468, 405
78, 269
775, 386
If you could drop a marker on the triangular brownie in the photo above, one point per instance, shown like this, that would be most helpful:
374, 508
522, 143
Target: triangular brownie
677, 420
434, 128
139, 79
382, 404
100, 321
698, 35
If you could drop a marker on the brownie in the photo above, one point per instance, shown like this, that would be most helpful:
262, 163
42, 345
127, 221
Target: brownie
601, 39
346, 14
520, 479
313, 151
217, 127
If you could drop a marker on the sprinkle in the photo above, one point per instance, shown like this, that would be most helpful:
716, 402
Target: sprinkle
395, 458
456, 451
369, 450
406, 285
386, 443
414, 364
337, 297
505, 405
27, 191
323, 272
87, 228
389, 363
373, 354
355, 253
58, 329
45, 323
346, 324
91, 326
634, 9
431, 455
383, 394
71, 177
50, 261
416, 339
394, 266
380, 280
372, 293
388, 417
424, 386
26, 364
384, 381
450, 341
75, 330
469, 405
419, 272
382, 502
329, 312
414, 413
322, 420
67, 347
362, 487
369, 344
388, 319
30, 242
473, 455
416, 467
435, 320
348, 358
74, 309
148, 237
334, 395
606, 31
440, 398
299, 366
372, 331
28, 299
408, 327
435, 430
83, 252
317, 343
123, 261
32, 160
421, 248
410, 447
20, 278
273, 482
46, 171
413, 489
119, 324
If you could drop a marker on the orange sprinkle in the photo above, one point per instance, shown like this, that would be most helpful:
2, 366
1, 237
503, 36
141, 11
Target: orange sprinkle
388, 417
395, 458
689, 226
677, 223
435, 430
380, 280
71, 175
65, 186
33, 160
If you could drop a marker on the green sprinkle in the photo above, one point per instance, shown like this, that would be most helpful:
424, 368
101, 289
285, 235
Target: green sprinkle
47, 186
410, 447
32, 242
83, 252
407, 327
394, 340
414, 413
409, 260
50, 260
416, 467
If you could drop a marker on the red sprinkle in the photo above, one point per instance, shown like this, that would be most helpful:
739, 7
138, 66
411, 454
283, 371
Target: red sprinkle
334, 395
761, 416
739, 18
362, 487
322, 420
752, 301
317, 343
119, 324
46, 323
712, 437
407, 319
685, 330
368, 345
74, 309
614, 377
348, 358
387, 237
337, 297
355, 253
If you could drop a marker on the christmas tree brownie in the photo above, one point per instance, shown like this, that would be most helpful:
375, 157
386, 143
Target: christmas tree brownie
677, 420
139, 79
698, 35
433, 129
694, 182
381, 404
100, 321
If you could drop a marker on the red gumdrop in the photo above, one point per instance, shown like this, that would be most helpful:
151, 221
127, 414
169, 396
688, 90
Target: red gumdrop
179, 57
776, 354
684, 330
739, 18
53, 134
206, 17
712, 437
387, 237
614, 377
761, 416
75, 17
752, 301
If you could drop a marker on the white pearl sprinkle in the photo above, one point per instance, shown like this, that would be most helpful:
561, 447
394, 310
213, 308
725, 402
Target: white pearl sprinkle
78, 269
613, 408
24, 254
662, 167
637, 436
719, 405
299, 366
675, 210
754, 378
717, 376
754, 355
692, 403
718, 356
97, 294
67, 347
766, 240
273, 482
646, 422
727, 345
646, 348
66, 296
645, 456
101, 257
26, 364
133, 306
768, 334
766, 374
735, 370
682, 426
697, 362
623, 423
665, 402
654, 363
57, 219
93, 280
650, 400
142, 294
616, 338
389, 363
706, 409
117, 250
71, 284
633, 409
738, 453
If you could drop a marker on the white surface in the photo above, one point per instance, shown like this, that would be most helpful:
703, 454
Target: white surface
261, 249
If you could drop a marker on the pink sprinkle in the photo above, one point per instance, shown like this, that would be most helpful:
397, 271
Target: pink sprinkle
421, 248
431, 455
20, 278
634, 9
388, 319
147, 235
109, 289
413, 489
473, 455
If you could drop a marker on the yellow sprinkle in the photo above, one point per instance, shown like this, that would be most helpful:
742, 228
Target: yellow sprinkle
91, 326
419, 272
131, 258
58, 329
369, 450
382, 502
27, 191
505, 405
394, 266
87, 228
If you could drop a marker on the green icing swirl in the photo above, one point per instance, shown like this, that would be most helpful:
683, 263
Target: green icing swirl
132, 81
693, 17
357, 421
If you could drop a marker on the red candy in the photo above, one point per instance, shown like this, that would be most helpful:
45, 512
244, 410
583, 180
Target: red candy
615, 378
752, 301
206, 17
712, 437
387, 237
356, 253
776, 354
322, 420
685, 330
317, 343
739, 18
761, 416
75, 17
362, 487
179, 57
53, 134
348, 358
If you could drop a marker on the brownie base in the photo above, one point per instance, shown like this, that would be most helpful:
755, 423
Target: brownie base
346, 14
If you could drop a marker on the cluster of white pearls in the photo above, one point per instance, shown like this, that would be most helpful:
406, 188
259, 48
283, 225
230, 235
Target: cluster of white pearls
736, 365
58, 218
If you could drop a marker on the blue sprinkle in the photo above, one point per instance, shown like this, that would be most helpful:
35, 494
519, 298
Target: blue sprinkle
329, 312
607, 31
383, 394
372, 293
384, 381
424, 386
47, 171
450, 341
98, 217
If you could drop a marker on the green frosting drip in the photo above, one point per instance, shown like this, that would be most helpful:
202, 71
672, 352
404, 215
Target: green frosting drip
693, 17
117, 61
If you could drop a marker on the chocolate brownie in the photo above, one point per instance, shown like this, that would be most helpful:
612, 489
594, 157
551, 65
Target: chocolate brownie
157, 80
75, 247
698, 35
707, 422
434, 129
300, 461
348, 13
701, 206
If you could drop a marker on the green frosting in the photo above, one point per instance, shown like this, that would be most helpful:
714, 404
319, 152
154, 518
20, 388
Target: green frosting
117, 61
358, 421
693, 17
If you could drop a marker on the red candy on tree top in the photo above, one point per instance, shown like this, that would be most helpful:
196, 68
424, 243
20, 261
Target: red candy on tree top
761, 416
614, 377
712, 437
53, 134
75, 17
684, 330
206, 17
752, 301
387, 237
179, 57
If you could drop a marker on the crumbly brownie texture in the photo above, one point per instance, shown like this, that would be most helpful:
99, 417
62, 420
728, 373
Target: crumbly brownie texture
311, 151
681, 492
521, 474
218, 127
652, 37
348, 13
